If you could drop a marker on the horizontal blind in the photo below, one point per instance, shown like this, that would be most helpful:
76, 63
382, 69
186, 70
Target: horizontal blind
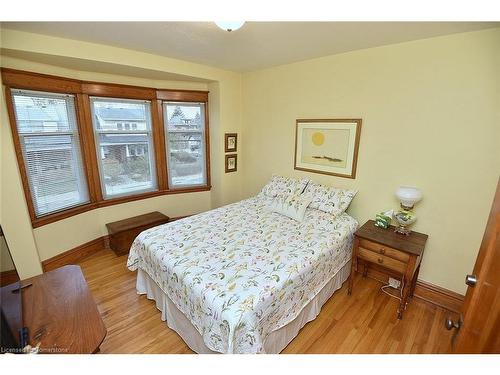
48, 134
185, 140
124, 142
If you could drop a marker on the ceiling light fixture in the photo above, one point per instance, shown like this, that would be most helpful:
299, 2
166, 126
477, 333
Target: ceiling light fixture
229, 25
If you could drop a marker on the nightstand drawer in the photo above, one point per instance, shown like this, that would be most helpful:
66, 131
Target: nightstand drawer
382, 260
384, 250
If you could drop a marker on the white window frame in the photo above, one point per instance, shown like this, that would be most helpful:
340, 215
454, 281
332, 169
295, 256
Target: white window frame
148, 131
74, 135
203, 149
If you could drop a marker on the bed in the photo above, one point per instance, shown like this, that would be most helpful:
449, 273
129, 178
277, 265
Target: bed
240, 278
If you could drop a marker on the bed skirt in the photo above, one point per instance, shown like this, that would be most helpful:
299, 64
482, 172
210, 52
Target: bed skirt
273, 344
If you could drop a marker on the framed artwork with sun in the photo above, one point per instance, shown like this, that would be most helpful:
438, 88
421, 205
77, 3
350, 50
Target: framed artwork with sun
327, 146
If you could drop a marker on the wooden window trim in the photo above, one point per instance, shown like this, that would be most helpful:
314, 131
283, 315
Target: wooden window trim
82, 90
182, 96
90, 148
150, 194
47, 219
86, 144
60, 215
159, 144
207, 143
19, 153
113, 90
42, 82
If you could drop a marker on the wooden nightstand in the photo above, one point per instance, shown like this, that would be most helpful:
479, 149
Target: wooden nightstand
391, 253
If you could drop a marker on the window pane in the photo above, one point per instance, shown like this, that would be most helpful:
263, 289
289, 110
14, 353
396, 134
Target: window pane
125, 153
50, 146
185, 124
116, 114
185, 116
186, 159
125, 163
43, 113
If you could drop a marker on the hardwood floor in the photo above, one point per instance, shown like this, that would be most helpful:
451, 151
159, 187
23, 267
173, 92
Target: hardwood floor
362, 323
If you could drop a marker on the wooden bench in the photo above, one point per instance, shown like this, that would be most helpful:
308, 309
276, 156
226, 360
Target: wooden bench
122, 233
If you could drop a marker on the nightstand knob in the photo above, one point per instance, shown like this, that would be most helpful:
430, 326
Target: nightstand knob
380, 260
382, 250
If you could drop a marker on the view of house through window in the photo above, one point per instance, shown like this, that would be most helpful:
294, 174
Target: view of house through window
125, 145
48, 135
185, 132
59, 174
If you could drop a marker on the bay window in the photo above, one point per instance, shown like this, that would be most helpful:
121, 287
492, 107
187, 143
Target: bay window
83, 145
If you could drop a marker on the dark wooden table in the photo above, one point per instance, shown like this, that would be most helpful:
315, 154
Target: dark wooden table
61, 314
391, 252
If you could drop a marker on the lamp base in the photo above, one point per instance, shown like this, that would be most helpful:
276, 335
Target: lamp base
402, 230
404, 218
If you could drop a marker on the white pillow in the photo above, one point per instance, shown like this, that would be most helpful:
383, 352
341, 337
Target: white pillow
284, 186
329, 199
294, 206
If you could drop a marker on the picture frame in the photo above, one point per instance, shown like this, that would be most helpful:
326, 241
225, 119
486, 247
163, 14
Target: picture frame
327, 146
231, 163
230, 142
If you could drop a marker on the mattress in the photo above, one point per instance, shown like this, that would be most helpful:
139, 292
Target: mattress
240, 272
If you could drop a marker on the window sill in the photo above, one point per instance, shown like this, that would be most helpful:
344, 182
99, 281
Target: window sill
61, 215
189, 189
52, 218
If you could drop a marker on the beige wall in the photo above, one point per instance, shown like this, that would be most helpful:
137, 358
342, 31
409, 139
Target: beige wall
50, 55
430, 111
14, 215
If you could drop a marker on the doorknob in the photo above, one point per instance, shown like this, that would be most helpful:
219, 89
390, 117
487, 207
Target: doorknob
450, 324
471, 280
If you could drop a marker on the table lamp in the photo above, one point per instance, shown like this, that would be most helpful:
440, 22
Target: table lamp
405, 217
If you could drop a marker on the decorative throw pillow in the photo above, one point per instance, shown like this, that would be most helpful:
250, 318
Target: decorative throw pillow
294, 206
284, 186
329, 199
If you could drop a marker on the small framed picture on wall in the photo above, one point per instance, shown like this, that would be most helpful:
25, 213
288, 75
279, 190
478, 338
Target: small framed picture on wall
231, 163
230, 142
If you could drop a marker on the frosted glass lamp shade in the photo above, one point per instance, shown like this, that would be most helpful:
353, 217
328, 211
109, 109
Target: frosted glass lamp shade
408, 196
229, 25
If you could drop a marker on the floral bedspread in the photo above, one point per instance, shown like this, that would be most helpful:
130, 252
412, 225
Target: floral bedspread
240, 272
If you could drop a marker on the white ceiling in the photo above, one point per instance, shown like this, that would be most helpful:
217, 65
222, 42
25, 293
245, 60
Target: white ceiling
255, 46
